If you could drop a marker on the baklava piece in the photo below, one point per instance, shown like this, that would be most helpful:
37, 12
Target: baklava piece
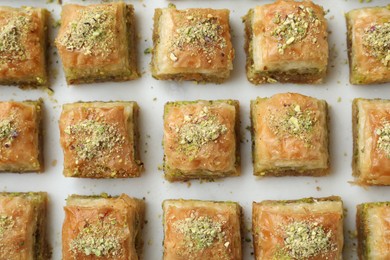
298, 229
21, 136
371, 141
102, 227
100, 140
201, 139
23, 44
290, 135
192, 44
286, 41
98, 43
195, 229
23, 226
373, 227
369, 45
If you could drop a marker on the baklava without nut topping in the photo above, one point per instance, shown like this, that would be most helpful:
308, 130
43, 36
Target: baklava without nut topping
201, 139
290, 135
298, 229
369, 45
100, 140
286, 41
23, 40
192, 44
97, 42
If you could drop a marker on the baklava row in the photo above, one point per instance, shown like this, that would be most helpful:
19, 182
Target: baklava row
105, 227
286, 41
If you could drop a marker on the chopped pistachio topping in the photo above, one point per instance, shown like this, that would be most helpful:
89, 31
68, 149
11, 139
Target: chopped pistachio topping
6, 222
99, 239
198, 130
383, 134
376, 40
294, 122
200, 232
303, 240
91, 33
8, 132
294, 27
92, 138
198, 33
12, 35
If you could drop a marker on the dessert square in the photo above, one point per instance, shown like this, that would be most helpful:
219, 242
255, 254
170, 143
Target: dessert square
192, 44
23, 226
195, 229
286, 41
201, 139
102, 227
23, 44
21, 148
373, 227
368, 45
290, 135
100, 139
98, 43
371, 141
308, 228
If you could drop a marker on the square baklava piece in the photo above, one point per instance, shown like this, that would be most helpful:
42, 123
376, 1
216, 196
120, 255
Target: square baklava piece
21, 148
23, 44
286, 41
98, 42
192, 44
195, 229
290, 135
102, 227
371, 141
369, 45
298, 229
373, 227
23, 226
201, 139
100, 139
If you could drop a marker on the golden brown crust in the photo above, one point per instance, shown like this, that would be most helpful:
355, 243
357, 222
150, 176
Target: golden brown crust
223, 219
115, 224
300, 58
99, 140
22, 226
371, 161
188, 153
27, 65
20, 136
205, 56
273, 222
364, 67
290, 135
110, 57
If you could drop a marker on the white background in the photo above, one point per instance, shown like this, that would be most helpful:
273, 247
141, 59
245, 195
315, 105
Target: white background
244, 189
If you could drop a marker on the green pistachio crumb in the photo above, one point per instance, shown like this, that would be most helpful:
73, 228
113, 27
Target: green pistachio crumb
6, 222
8, 132
383, 133
376, 40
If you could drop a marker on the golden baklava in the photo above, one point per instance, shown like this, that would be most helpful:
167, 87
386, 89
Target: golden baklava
23, 45
369, 45
201, 139
23, 226
192, 44
195, 229
98, 42
373, 227
102, 227
371, 141
21, 148
298, 229
100, 139
286, 41
290, 135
